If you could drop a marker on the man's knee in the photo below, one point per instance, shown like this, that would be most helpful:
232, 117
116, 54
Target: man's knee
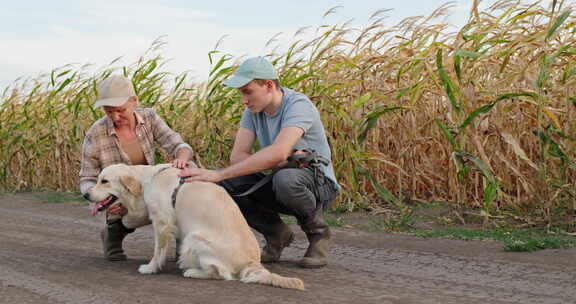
293, 191
288, 180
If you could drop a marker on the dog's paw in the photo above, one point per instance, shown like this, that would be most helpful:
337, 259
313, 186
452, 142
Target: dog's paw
148, 269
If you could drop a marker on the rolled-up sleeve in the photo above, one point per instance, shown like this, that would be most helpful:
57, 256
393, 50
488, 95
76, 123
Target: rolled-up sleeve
89, 165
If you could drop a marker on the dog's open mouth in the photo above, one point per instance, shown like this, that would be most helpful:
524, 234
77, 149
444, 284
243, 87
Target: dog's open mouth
103, 204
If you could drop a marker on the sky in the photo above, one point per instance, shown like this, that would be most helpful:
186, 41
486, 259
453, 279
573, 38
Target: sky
39, 36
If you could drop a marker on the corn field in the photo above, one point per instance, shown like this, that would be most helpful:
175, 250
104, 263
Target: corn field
480, 116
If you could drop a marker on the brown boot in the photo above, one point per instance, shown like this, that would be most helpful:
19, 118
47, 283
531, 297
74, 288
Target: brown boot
318, 234
277, 238
112, 236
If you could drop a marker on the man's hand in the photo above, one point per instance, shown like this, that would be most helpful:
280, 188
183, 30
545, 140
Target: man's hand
117, 209
179, 163
285, 163
197, 174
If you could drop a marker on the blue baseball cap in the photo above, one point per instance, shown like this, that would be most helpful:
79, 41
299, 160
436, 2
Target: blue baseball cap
252, 68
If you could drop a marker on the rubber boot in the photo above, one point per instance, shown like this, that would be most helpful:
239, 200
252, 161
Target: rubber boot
277, 238
319, 235
112, 236
277, 234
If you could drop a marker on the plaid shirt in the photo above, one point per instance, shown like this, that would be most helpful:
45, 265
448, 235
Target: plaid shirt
101, 147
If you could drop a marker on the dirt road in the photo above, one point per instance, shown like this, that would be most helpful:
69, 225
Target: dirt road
50, 253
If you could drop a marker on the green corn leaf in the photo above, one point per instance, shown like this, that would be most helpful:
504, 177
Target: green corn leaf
405, 91
490, 192
64, 84
491, 189
372, 119
361, 101
486, 108
556, 151
447, 133
218, 64
568, 73
463, 170
457, 67
521, 16
383, 193
52, 78
468, 54
298, 79
559, 21
551, 147
63, 73
448, 84
179, 82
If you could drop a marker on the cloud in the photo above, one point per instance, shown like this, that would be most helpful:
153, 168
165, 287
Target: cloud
88, 32
143, 14
187, 47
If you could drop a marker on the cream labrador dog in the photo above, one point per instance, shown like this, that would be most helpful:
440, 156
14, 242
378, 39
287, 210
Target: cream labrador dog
215, 239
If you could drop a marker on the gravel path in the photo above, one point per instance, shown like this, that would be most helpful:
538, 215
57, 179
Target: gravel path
50, 253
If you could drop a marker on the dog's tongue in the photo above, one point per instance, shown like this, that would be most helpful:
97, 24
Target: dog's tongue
97, 206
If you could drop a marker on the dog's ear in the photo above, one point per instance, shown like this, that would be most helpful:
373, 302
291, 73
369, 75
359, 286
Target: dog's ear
131, 184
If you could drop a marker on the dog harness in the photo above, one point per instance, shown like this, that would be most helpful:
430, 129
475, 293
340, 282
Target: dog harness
175, 192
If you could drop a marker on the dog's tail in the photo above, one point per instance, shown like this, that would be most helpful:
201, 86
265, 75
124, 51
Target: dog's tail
256, 273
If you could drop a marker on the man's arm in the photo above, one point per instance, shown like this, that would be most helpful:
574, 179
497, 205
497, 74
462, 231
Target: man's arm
243, 143
266, 158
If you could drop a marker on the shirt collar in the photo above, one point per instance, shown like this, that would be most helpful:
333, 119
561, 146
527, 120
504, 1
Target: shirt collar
110, 124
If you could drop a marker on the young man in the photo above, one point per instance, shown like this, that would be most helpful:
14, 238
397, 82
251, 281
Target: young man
285, 123
127, 135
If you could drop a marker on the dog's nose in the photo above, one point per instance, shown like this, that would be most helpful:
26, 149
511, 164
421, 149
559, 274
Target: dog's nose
87, 196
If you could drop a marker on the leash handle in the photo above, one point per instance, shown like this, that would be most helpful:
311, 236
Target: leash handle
309, 157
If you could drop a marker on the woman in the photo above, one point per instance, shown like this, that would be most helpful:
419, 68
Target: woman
127, 134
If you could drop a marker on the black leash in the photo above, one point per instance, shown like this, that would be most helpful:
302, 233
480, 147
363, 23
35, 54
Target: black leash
302, 160
258, 185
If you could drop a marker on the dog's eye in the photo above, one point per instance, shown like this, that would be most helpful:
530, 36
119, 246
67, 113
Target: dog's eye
104, 181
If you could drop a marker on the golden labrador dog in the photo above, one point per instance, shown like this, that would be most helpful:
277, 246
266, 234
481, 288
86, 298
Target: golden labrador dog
215, 239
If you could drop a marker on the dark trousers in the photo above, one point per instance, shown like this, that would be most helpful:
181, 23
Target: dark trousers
298, 192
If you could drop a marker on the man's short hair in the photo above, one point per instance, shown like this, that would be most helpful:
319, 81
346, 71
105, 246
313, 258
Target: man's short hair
263, 82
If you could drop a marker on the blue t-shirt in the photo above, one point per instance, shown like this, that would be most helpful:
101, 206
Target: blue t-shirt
296, 110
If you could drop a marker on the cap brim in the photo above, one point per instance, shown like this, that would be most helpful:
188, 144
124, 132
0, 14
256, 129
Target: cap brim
236, 81
111, 102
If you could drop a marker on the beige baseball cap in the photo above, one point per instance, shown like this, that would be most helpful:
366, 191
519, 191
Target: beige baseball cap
114, 91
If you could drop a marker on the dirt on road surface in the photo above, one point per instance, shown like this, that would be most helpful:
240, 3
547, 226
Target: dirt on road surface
50, 253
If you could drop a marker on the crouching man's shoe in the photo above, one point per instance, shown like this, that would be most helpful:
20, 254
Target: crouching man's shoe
278, 239
317, 254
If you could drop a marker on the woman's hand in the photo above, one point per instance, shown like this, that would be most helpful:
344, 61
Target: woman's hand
117, 209
179, 163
